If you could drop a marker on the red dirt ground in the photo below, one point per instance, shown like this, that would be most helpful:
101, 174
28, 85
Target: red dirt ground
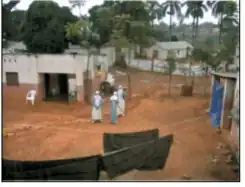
56, 130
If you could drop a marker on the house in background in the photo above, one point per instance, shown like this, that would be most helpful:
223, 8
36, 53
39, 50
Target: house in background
162, 49
14, 47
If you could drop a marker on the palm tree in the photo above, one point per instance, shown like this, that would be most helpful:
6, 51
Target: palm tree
231, 15
154, 11
218, 9
73, 29
196, 9
82, 30
189, 12
171, 8
78, 4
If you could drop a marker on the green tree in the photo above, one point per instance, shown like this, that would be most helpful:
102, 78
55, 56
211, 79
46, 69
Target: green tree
154, 10
218, 10
43, 27
171, 8
15, 21
225, 11
136, 34
101, 18
73, 31
7, 26
81, 29
196, 10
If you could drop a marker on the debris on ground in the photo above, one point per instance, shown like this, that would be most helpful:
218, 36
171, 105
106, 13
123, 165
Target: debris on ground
186, 177
215, 159
229, 159
220, 146
207, 110
225, 152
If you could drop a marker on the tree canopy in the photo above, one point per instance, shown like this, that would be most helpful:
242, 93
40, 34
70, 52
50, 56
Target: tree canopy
47, 28
43, 27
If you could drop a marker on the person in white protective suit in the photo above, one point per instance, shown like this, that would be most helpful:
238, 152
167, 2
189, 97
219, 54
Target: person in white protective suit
121, 101
97, 102
31, 96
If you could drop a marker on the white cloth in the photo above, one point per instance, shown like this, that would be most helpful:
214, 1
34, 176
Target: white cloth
121, 104
113, 98
97, 113
97, 100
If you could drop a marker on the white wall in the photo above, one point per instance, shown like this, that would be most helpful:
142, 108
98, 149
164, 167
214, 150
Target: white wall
237, 92
237, 56
110, 53
28, 66
181, 53
56, 63
24, 65
181, 69
162, 54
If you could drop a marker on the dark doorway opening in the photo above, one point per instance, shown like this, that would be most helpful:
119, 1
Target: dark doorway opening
56, 87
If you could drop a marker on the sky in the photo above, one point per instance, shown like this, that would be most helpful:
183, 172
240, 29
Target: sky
24, 4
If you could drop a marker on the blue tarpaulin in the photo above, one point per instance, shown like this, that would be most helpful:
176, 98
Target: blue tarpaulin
216, 104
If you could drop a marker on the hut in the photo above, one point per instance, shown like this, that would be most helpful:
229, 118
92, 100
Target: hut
224, 104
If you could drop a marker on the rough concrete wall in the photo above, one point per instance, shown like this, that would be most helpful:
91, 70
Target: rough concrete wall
29, 68
236, 110
24, 65
60, 63
229, 87
110, 53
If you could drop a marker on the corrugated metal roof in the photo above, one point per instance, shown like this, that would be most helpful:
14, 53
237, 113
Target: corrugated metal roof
225, 74
174, 45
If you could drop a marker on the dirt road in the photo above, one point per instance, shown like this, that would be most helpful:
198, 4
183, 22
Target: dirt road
55, 130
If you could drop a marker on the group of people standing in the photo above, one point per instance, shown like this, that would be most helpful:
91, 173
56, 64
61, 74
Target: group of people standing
117, 105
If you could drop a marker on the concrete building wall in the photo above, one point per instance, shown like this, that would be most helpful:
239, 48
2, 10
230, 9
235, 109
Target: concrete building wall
163, 54
110, 53
237, 55
30, 69
56, 63
24, 65
236, 105
181, 53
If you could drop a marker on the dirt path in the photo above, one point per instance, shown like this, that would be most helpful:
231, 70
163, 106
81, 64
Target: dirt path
52, 131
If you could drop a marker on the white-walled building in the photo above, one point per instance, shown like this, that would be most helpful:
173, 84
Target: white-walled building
163, 48
51, 74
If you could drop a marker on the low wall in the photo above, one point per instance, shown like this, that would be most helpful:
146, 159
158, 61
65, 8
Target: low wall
159, 66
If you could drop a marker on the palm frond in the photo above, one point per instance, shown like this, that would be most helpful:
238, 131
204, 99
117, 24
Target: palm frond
204, 7
164, 10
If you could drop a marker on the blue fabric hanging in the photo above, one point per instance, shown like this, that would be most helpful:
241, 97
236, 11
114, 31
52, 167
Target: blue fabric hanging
216, 104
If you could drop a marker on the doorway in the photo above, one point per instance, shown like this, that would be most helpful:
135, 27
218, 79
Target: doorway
56, 87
